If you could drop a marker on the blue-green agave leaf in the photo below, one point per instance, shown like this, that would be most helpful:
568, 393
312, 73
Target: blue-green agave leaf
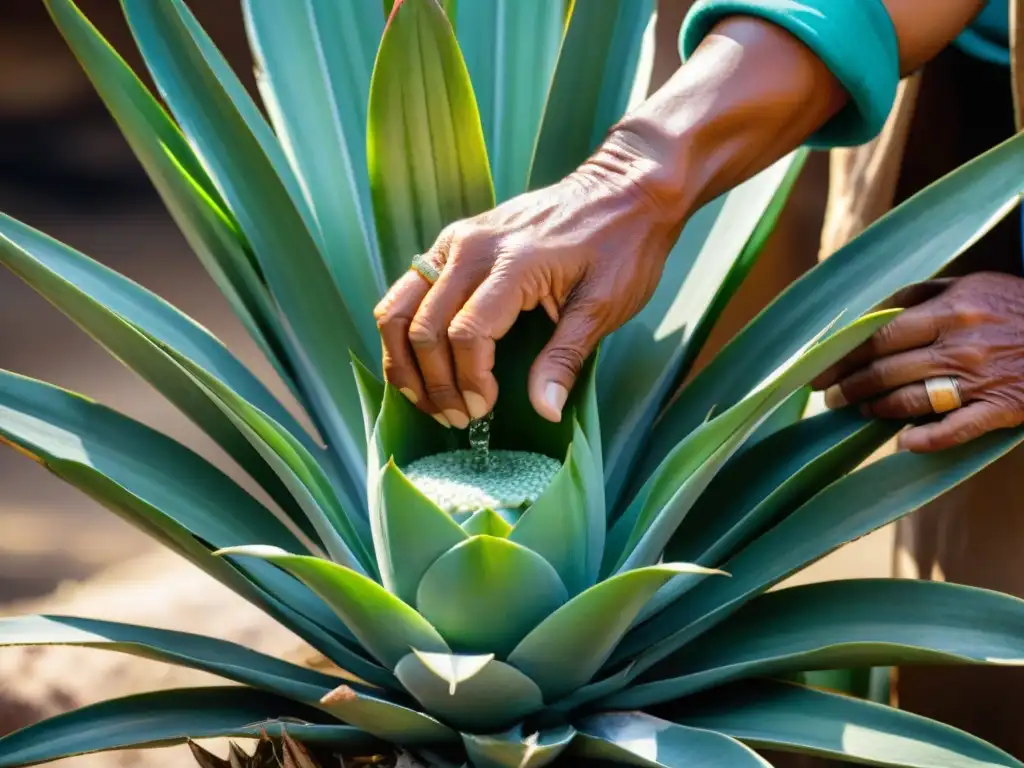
512, 749
792, 718
510, 48
487, 522
635, 738
644, 361
315, 64
909, 244
426, 154
385, 625
566, 649
591, 85
884, 622
178, 176
389, 720
172, 717
485, 594
852, 507
249, 181
371, 395
410, 533
219, 657
476, 693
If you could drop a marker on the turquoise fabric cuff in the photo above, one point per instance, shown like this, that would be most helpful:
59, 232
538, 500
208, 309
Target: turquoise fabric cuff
854, 38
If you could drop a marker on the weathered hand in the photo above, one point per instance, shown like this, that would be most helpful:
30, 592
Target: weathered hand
971, 328
589, 250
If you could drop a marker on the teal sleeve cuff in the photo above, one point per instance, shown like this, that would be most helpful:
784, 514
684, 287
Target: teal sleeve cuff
854, 38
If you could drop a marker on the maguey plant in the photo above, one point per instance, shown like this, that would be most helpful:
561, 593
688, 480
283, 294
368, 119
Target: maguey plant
594, 589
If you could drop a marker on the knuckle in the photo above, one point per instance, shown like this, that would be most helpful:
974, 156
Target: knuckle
423, 336
472, 240
464, 331
442, 393
568, 358
968, 311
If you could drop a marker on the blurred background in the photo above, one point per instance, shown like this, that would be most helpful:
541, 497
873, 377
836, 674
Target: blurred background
64, 169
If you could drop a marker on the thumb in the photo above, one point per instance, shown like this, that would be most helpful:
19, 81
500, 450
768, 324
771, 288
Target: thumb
558, 365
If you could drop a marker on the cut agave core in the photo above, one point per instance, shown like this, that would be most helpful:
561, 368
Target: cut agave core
511, 482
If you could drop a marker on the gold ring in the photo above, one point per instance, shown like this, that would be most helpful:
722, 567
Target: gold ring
943, 393
424, 268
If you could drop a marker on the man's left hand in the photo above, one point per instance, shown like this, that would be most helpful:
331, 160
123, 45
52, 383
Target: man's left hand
971, 329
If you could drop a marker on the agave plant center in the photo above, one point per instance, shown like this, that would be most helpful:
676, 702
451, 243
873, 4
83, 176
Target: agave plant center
465, 481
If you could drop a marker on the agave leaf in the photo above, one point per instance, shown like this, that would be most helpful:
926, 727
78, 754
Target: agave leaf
688, 470
301, 284
103, 303
644, 361
635, 738
566, 649
246, 108
566, 524
172, 717
911, 243
315, 64
191, 198
791, 718
124, 466
388, 720
495, 696
426, 153
771, 478
332, 513
884, 622
852, 507
371, 395
591, 85
219, 657
485, 594
487, 522
410, 533
512, 750
384, 625
510, 48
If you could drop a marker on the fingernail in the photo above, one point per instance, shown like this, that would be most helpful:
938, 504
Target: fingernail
555, 396
409, 394
476, 404
834, 397
458, 419
440, 419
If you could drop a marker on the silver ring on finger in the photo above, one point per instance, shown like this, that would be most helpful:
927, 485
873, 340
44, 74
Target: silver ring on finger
944, 393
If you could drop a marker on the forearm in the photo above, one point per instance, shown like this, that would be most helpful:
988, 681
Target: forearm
750, 94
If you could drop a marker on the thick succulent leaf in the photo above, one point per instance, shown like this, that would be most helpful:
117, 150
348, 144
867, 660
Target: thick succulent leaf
591, 85
566, 524
883, 622
566, 649
104, 304
691, 466
487, 522
137, 473
512, 749
494, 696
219, 657
385, 626
391, 721
410, 532
634, 738
329, 509
910, 244
315, 64
768, 480
510, 48
642, 363
485, 594
191, 198
371, 395
172, 717
791, 718
852, 507
249, 181
426, 154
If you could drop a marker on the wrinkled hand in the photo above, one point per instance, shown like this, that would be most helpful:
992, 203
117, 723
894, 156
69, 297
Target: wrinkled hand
589, 250
971, 328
